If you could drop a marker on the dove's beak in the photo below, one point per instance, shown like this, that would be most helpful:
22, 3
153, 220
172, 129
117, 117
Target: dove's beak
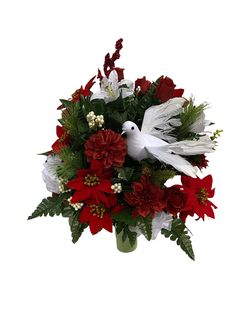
123, 132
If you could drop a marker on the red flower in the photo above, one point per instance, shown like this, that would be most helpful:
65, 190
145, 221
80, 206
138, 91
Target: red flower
62, 141
83, 91
166, 89
92, 184
143, 84
175, 200
200, 161
198, 192
98, 215
146, 197
108, 147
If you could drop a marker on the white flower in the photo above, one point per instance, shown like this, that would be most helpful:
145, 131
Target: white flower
160, 220
49, 173
111, 88
199, 125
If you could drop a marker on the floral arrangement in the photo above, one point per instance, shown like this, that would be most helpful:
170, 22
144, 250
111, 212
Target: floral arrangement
117, 148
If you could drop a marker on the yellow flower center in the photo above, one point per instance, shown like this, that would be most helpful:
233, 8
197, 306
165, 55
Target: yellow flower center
110, 91
202, 196
98, 210
91, 180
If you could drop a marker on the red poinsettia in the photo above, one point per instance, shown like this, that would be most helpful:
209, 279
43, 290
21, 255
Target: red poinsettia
108, 147
146, 197
98, 215
83, 91
62, 141
143, 84
166, 89
91, 183
198, 192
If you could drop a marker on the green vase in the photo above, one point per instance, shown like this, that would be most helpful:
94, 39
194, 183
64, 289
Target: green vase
124, 246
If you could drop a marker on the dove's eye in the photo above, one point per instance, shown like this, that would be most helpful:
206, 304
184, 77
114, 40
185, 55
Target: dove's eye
132, 128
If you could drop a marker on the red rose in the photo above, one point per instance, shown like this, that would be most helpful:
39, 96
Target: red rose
143, 84
146, 197
176, 200
166, 89
108, 147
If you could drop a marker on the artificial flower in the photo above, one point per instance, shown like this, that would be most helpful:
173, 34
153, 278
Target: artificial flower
98, 215
111, 88
142, 85
165, 89
108, 147
146, 198
198, 192
91, 183
49, 173
176, 200
62, 141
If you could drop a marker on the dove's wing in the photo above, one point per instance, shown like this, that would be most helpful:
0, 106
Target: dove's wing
160, 120
196, 147
175, 161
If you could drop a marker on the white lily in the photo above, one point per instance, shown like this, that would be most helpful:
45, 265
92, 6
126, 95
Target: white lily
111, 88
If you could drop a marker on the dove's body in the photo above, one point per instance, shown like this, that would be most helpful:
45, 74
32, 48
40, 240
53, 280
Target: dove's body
159, 122
137, 145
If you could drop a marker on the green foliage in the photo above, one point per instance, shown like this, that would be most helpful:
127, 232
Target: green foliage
50, 206
72, 162
189, 115
145, 225
127, 233
74, 120
125, 217
125, 173
179, 232
76, 227
216, 134
159, 177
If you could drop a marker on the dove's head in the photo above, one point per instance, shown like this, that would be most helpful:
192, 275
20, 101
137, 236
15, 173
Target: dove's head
130, 128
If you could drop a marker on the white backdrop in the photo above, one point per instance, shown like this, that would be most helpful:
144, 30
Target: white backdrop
48, 49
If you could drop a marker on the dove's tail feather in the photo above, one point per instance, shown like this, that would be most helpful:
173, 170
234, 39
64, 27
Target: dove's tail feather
187, 148
175, 161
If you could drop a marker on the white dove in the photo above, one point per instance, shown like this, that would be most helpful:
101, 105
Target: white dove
157, 125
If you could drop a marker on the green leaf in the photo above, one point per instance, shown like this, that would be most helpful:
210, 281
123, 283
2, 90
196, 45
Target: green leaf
179, 232
189, 115
125, 217
50, 206
159, 177
76, 227
72, 162
65, 102
125, 173
145, 225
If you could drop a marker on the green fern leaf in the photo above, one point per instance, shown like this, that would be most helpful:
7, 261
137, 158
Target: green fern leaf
76, 227
145, 225
50, 206
179, 232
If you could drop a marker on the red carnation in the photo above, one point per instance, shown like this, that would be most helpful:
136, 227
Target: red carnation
166, 89
146, 197
198, 192
91, 183
62, 141
143, 84
108, 147
98, 215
